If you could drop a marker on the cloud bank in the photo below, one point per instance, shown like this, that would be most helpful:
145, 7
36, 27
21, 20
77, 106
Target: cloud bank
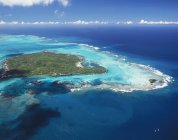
78, 22
27, 3
158, 22
83, 22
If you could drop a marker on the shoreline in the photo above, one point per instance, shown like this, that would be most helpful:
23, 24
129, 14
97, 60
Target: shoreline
7, 72
150, 80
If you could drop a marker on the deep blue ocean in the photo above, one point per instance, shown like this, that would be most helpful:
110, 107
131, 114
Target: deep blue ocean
148, 115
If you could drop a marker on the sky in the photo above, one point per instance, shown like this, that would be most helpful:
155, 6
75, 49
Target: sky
88, 10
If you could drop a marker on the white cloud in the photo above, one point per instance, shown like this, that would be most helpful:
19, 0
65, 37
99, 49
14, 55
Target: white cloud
65, 3
45, 23
29, 23
59, 14
6, 23
56, 12
128, 22
82, 22
125, 22
26, 3
158, 22
79, 22
2, 22
118, 22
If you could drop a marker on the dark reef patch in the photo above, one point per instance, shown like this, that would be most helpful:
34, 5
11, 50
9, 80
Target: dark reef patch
28, 124
34, 86
152, 81
15, 89
96, 82
51, 88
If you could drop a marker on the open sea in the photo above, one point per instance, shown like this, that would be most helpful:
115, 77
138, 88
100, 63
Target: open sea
101, 114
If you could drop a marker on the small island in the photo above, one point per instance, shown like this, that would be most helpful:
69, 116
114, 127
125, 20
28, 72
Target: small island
47, 63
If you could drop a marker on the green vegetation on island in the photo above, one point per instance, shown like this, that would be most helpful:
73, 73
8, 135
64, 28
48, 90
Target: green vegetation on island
47, 63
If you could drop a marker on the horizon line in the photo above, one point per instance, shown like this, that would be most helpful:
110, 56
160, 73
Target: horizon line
96, 22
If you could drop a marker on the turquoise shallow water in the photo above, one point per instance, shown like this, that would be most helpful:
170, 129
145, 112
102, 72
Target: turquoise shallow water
96, 109
121, 75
